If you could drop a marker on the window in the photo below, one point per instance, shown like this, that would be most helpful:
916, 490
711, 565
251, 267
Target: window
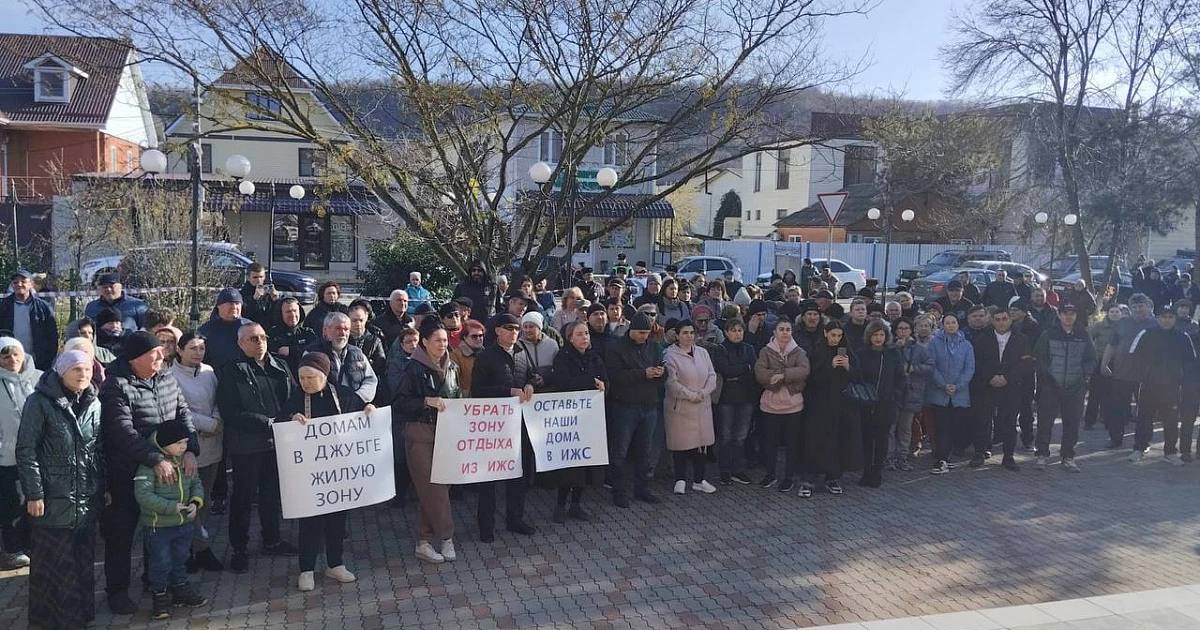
757, 171
312, 162
795, 239
341, 238
50, 85
113, 164
747, 215
781, 213
860, 165
285, 238
263, 107
550, 146
758, 215
616, 151
783, 165
205, 158
128, 159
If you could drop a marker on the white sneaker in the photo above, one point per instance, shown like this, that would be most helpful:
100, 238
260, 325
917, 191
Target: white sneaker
1069, 465
1041, 462
340, 573
1137, 456
1173, 459
704, 486
680, 487
940, 468
306, 582
426, 552
448, 552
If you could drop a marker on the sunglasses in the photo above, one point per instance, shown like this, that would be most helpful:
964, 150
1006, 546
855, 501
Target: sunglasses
512, 328
650, 313
475, 336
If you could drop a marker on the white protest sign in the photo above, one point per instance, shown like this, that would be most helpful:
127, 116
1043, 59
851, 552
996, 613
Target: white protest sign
567, 429
478, 440
335, 463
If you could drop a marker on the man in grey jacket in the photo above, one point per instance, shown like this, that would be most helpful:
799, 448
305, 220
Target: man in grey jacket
348, 365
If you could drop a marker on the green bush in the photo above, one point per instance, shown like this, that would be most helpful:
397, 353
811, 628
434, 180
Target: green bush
392, 260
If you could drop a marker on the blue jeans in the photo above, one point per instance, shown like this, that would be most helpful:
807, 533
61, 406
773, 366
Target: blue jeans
169, 548
733, 422
632, 430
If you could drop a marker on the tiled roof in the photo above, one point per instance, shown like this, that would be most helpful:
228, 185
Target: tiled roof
617, 205
101, 58
277, 69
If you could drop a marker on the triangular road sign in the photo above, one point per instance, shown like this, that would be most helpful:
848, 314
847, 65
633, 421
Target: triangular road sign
831, 203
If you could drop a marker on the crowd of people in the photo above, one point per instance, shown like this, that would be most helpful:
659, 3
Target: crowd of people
132, 424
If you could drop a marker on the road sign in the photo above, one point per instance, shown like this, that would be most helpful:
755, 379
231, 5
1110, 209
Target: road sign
832, 203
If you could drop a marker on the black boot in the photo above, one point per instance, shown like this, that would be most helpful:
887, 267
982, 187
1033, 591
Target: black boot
207, 561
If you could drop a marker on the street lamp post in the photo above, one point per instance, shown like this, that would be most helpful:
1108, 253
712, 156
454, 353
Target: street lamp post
606, 178
1042, 218
874, 214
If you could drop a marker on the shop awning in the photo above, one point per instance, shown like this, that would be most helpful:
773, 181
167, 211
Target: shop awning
612, 206
279, 201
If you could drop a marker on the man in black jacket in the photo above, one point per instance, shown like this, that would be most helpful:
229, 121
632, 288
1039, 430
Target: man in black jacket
1161, 355
258, 300
498, 375
250, 392
30, 320
289, 337
1065, 359
734, 360
136, 398
480, 289
395, 317
1000, 291
635, 370
955, 302
1003, 358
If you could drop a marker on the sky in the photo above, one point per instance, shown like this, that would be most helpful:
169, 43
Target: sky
899, 39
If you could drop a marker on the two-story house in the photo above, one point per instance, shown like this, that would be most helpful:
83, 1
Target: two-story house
68, 105
327, 231
643, 237
779, 182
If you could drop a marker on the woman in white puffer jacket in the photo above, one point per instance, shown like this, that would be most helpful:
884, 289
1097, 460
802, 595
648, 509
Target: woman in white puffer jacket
198, 383
18, 378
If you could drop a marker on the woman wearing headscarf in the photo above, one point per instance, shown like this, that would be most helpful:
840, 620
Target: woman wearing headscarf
881, 368
781, 370
59, 462
428, 379
18, 377
832, 431
949, 387
318, 398
577, 367
691, 381
84, 345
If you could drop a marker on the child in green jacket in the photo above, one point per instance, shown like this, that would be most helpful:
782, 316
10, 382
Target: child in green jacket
168, 509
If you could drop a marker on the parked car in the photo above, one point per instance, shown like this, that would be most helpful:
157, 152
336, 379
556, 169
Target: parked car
933, 286
1014, 270
951, 259
713, 267
849, 279
1060, 267
1099, 281
96, 266
1182, 259
230, 263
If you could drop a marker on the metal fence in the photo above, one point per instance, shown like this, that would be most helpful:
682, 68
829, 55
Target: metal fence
756, 257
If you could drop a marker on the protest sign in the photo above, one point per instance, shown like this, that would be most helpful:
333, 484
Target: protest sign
478, 439
567, 429
335, 463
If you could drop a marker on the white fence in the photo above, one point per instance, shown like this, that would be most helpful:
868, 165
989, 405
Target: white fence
756, 257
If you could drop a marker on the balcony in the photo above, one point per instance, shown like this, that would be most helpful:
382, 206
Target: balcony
32, 190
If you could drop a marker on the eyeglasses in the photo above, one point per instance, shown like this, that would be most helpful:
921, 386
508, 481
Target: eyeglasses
650, 313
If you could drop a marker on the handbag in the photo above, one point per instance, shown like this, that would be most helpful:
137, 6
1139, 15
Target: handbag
864, 394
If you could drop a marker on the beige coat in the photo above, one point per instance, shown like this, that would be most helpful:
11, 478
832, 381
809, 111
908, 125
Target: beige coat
691, 381
792, 363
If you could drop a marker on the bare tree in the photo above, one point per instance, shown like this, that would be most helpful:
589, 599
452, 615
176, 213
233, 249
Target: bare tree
1047, 50
440, 100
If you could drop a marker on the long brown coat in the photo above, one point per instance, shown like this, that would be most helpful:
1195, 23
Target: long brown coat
691, 381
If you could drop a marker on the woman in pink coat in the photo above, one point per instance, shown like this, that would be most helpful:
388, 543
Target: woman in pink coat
691, 381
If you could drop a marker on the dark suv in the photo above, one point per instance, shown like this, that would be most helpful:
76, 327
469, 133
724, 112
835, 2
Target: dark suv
163, 263
950, 259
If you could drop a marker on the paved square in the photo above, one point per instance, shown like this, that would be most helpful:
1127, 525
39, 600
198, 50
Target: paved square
744, 557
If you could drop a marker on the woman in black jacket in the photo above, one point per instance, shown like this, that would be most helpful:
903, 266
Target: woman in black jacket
734, 362
318, 398
832, 430
328, 294
577, 367
881, 367
428, 379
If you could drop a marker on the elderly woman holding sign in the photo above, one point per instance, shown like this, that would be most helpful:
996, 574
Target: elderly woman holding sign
428, 378
577, 367
318, 398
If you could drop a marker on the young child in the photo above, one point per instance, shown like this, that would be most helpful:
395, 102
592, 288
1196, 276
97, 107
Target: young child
168, 510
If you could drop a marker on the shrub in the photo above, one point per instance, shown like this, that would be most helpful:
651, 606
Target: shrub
392, 260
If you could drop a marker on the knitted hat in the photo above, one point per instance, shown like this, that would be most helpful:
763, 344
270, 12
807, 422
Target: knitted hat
596, 308
641, 322
137, 344
10, 342
107, 316
229, 295
535, 318
756, 307
70, 359
170, 432
809, 305
315, 360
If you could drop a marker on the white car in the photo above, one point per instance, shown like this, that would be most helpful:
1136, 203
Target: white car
849, 279
97, 266
713, 267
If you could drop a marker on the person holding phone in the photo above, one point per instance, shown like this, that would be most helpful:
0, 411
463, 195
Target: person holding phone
832, 435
